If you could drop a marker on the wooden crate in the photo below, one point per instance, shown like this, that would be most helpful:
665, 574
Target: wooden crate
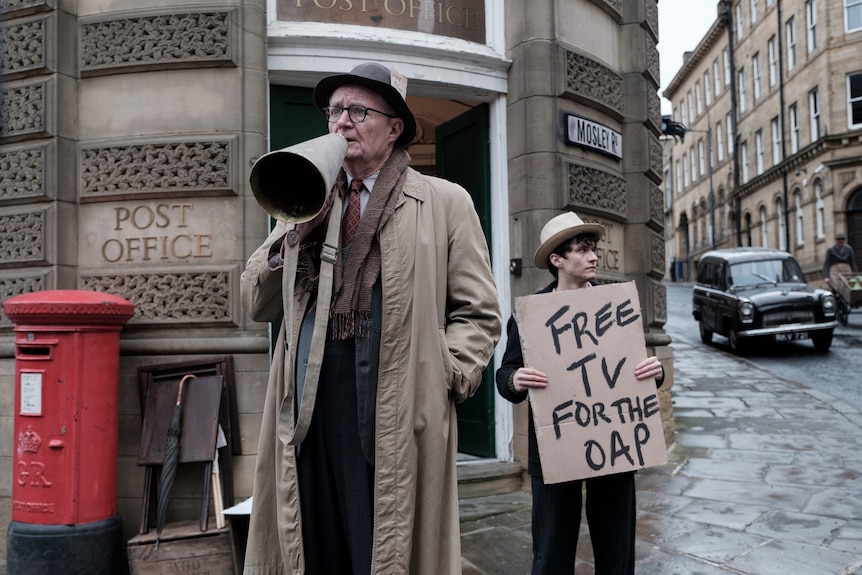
183, 548
848, 293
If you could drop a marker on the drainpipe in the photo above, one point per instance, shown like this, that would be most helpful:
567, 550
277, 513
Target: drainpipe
781, 104
725, 13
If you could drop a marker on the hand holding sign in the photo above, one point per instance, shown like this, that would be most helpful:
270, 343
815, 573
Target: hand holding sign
594, 417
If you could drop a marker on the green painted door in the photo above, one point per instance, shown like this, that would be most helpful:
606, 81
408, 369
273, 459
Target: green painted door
463, 157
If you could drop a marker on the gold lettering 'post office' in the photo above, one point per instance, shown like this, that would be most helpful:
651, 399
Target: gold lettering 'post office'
595, 417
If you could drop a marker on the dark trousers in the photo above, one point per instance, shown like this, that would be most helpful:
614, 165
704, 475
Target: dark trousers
335, 481
611, 516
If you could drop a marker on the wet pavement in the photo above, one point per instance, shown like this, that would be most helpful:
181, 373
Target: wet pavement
764, 477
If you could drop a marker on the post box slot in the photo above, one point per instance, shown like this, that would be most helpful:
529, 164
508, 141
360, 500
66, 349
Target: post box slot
33, 352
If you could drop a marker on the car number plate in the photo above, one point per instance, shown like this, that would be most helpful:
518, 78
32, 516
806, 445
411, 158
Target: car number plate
791, 336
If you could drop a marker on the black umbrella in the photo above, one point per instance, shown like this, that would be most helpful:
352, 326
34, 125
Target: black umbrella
169, 467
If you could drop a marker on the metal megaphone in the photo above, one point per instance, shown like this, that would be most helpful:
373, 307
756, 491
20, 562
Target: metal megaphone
292, 183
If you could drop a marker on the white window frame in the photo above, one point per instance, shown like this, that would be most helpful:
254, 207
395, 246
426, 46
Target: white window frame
716, 77
773, 61
758, 145
685, 178
814, 113
719, 141
776, 141
693, 161
852, 11
755, 76
743, 152
738, 21
782, 233
679, 184
854, 101
764, 230
707, 90
726, 56
682, 112
701, 156
698, 97
740, 80
794, 128
811, 24
820, 209
753, 12
729, 136
790, 32
689, 104
800, 218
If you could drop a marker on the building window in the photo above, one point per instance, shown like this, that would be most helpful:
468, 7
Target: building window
819, 209
682, 114
854, 100
755, 76
753, 12
716, 77
852, 15
773, 61
707, 91
743, 152
719, 142
811, 24
698, 97
738, 21
790, 28
688, 103
740, 79
685, 171
776, 141
693, 166
800, 227
678, 178
758, 143
726, 56
729, 121
794, 129
764, 231
782, 232
701, 157
814, 107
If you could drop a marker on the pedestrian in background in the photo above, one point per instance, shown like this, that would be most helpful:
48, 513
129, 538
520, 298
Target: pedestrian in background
568, 250
840, 259
371, 487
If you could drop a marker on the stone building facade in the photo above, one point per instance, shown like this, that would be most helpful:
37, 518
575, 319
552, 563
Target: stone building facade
128, 131
777, 86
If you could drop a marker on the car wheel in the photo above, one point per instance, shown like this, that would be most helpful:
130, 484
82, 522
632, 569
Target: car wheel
822, 340
705, 334
735, 342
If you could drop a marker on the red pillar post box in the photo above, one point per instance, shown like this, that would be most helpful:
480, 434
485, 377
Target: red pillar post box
64, 484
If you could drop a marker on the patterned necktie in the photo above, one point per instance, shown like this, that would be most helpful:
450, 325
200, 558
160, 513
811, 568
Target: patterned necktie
350, 222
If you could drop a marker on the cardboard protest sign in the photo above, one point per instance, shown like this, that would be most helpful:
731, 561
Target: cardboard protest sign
595, 417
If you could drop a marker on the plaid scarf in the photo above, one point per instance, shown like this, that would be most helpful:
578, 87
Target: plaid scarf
358, 267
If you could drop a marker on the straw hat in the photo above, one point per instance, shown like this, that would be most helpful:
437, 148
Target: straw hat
558, 230
377, 78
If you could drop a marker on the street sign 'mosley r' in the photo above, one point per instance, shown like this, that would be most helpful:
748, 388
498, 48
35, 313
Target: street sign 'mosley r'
583, 132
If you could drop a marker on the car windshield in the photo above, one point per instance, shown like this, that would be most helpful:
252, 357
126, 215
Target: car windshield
764, 271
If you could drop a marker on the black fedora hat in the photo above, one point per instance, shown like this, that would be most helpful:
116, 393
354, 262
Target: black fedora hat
377, 77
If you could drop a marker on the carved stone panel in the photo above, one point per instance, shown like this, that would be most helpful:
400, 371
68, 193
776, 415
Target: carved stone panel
596, 190
188, 167
657, 253
24, 110
22, 238
656, 206
23, 171
12, 286
25, 47
18, 8
181, 40
172, 297
652, 17
590, 81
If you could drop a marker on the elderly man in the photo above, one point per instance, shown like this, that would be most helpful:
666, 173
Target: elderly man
840, 259
356, 467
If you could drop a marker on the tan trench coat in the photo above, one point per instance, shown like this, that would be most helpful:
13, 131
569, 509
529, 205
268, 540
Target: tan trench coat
434, 259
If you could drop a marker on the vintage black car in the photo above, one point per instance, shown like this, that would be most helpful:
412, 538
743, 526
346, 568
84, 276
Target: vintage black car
748, 294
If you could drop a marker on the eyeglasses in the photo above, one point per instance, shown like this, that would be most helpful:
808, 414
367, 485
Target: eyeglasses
357, 114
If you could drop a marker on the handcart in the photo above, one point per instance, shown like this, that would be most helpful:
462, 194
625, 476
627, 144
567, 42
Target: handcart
848, 292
